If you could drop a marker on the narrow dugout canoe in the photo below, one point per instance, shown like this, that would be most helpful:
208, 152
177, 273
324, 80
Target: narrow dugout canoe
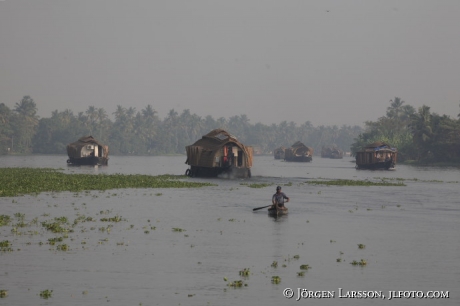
276, 213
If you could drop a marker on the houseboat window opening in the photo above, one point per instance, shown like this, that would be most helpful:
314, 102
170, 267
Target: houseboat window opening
240, 158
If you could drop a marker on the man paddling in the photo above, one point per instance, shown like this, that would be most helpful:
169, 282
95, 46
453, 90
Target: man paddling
278, 198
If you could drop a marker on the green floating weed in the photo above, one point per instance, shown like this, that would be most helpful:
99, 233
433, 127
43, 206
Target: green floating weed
261, 185
276, 279
52, 241
5, 244
361, 246
237, 284
113, 219
244, 272
301, 273
59, 225
362, 262
305, 267
177, 229
274, 264
3, 293
339, 259
19, 181
342, 182
45, 294
4, 220
63, 247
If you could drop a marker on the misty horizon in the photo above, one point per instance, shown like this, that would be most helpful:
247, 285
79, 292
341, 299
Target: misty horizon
326, 62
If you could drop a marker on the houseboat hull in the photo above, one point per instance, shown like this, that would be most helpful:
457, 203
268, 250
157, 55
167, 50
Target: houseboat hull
377, 155
87, 151
302, 159
229, 172
219, 154
336, 156
279, 153
90, 160
385, 165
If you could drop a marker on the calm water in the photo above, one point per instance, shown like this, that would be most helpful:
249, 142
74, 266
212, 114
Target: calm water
411, 237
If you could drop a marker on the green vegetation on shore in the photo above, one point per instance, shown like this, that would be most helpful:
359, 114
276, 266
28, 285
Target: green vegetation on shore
20, 181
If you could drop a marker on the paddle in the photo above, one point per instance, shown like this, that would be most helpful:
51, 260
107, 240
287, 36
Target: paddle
254, 209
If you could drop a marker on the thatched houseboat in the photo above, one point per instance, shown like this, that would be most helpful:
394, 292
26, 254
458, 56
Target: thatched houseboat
219, 153
331, 152
279, 153
87, 151
298, 152
377, 155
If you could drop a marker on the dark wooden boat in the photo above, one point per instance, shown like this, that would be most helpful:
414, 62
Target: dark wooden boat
298, 152
279, 152
375, 156
219, 154
87, 151
277, 212
331, 152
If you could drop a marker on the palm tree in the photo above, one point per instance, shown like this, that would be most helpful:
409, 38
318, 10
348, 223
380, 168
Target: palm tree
421, 130
25, 124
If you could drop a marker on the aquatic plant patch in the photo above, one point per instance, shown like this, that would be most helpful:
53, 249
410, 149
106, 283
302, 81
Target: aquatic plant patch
256, 185
45, 294
20, 181
341, 182
4, 220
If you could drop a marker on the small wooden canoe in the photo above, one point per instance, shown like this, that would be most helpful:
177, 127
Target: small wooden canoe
276, 213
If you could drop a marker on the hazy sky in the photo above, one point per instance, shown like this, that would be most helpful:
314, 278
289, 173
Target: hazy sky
327, 62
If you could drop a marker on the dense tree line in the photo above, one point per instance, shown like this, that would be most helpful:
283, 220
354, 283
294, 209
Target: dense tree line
417, 134
144, 133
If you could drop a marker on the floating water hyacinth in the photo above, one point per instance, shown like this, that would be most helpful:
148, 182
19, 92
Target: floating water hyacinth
4, 220
244, 272
305, 267
361, 246
3, 293
19, 181
63, 247
342, 182
113, 219
362, 262
45, 294
237, 284
276, 279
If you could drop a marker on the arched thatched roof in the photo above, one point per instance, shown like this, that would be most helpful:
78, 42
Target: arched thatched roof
203, 151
